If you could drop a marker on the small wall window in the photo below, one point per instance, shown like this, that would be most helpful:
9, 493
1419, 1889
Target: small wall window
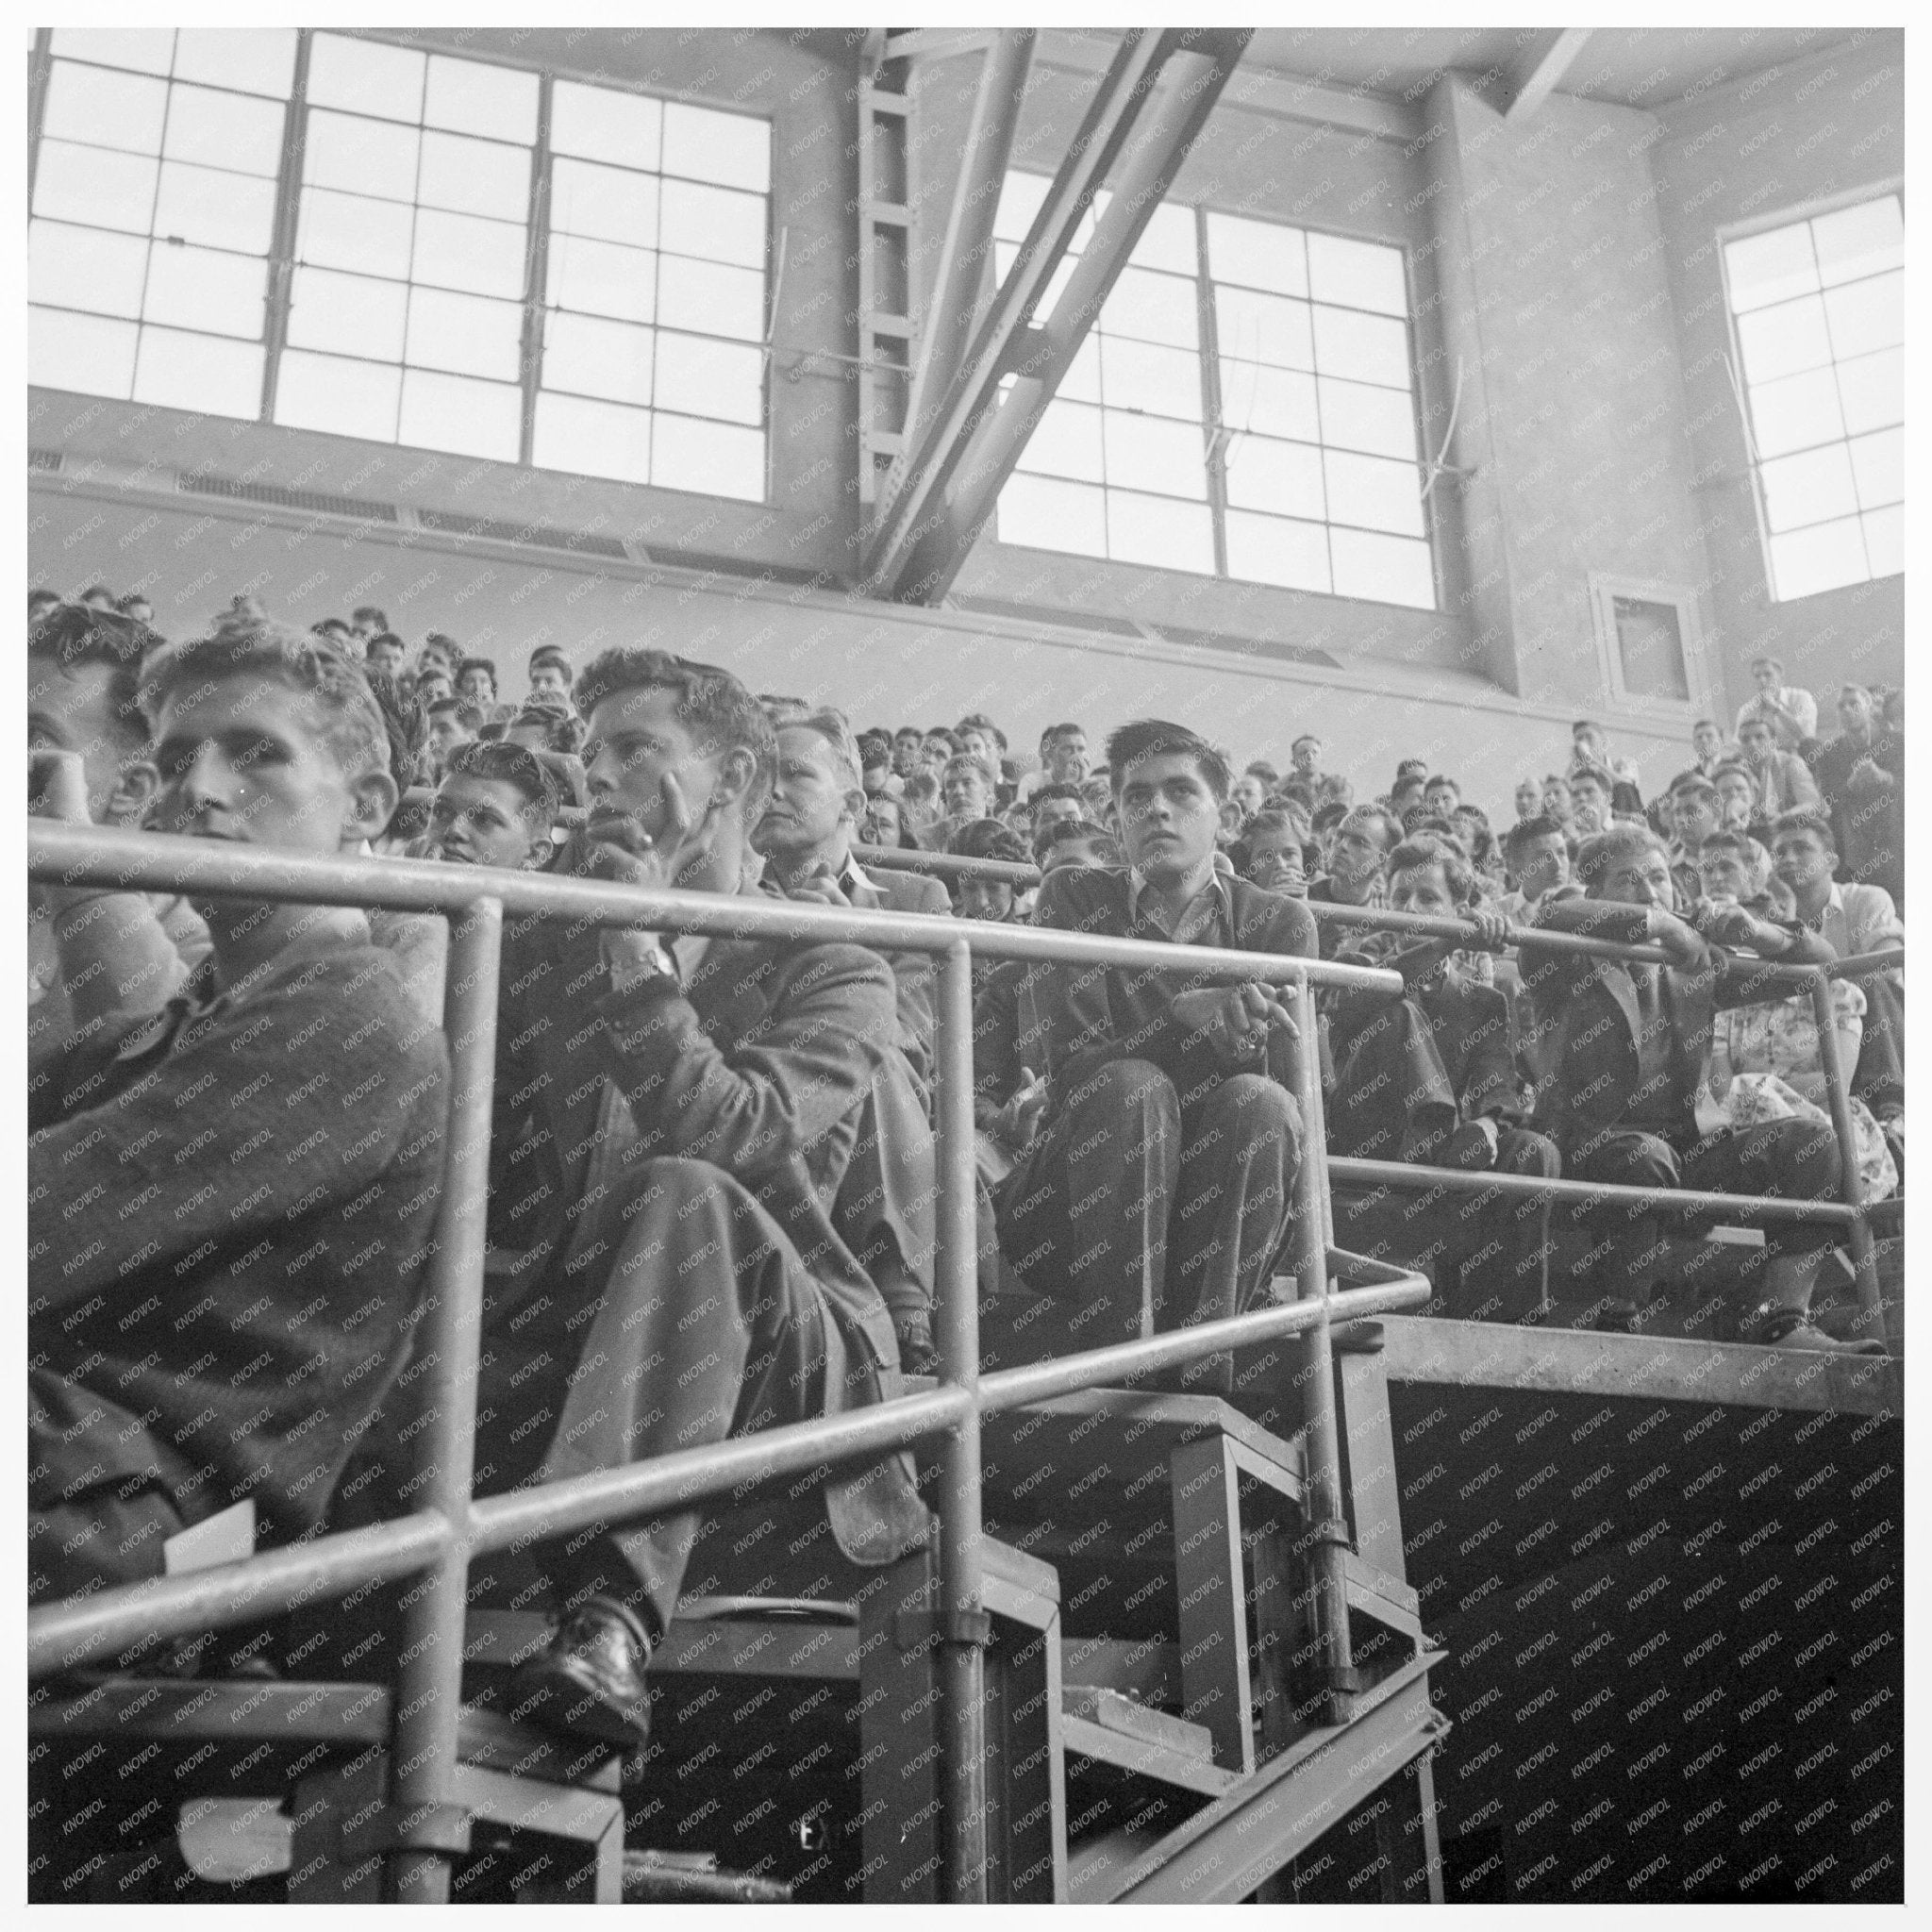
1648, 647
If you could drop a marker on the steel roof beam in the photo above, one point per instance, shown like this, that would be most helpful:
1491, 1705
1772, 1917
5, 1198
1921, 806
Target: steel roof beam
945, 484
1535, 72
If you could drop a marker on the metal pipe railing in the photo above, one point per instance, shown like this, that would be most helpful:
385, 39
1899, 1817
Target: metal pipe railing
442, 1539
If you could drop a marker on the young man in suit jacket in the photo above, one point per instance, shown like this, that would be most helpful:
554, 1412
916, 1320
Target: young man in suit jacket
1630, 1046
1157, 1189
689, 1109
886, 1210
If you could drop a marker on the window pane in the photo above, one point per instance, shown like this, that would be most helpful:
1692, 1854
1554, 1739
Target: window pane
734, 150
1258, 255
148, 50
224, 130
365, 76
1356, 416
1885, 541
205, 289
95, 185
1860, 242
1141, 375
1388, 570
257, 60
1021, 197
1358, 274
603, 125
1275, 402
603, 279
364, 156
709, 458
349, 314
1867, 315
222, 211
474, 419
200, 373
88, 104
465, 333
1168, 242
1157, 531
1281, 476
713, 223
1823, 557
1066, 443
1365, 348
1153, 453
613, 204
352, 231
473, 97
333, 394
721, 379
1785, 339
476, 177
1272, 550
1878, 462
81, 268
466, 251
593, 358
1051, 515
1770, 268
79, 351
1373, 493
592, 439
1264, 328
1152, 307
1809, 488
710, 299
1796, 413
1873, 388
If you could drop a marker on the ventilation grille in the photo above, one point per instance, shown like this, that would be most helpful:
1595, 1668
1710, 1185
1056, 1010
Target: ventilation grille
1248, 647
43, 460
235, 489
747, 567
582, 541
1043, 613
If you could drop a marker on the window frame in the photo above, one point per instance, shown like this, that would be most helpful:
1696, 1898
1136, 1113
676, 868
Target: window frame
1218, 434
1606, 588
1722, 236
285, 219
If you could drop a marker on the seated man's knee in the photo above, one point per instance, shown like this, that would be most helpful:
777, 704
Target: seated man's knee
1128, 1085
1522, 1152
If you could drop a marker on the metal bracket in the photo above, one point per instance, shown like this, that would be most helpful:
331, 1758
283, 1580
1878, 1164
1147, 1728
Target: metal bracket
410, 1828
1327, 1530
918, 1629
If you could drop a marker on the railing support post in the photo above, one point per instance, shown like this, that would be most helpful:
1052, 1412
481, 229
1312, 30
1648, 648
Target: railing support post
961, 1652
1327, 1529
1851, 1189
426, 1827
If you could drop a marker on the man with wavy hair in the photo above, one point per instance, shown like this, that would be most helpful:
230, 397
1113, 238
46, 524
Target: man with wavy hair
226, 1320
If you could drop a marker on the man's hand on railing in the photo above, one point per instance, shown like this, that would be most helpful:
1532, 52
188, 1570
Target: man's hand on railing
1493, 930
1726, 922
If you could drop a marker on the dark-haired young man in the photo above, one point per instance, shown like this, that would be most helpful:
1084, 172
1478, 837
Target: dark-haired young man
676, 1114
550, 675
1362, 846
385, 654
477, 681
1158, 1188
225, 1323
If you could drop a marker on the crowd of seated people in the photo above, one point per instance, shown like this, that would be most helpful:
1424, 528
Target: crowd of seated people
712, 1190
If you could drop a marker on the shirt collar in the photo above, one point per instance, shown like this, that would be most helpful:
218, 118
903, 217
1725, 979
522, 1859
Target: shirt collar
1218, 883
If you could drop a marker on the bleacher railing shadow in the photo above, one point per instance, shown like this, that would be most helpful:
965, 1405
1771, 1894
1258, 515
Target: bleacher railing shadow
438, 1538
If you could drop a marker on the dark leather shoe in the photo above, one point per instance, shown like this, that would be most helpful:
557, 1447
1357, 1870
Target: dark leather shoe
1792, 1328
1614, 1316
589, 1680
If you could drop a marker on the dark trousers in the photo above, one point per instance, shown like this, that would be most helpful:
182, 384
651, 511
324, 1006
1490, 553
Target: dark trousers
887, 1208
705, 1325
1139, 1209
1794, 1159
1486, 1256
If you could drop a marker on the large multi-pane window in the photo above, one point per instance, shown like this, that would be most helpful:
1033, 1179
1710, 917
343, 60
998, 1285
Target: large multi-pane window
152, 217
473, 256
1243, 405
1819, 307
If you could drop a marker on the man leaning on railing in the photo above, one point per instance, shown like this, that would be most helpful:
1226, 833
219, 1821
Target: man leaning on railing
222, 1288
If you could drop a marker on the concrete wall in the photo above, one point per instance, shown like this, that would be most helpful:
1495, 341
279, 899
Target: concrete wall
1817, 129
